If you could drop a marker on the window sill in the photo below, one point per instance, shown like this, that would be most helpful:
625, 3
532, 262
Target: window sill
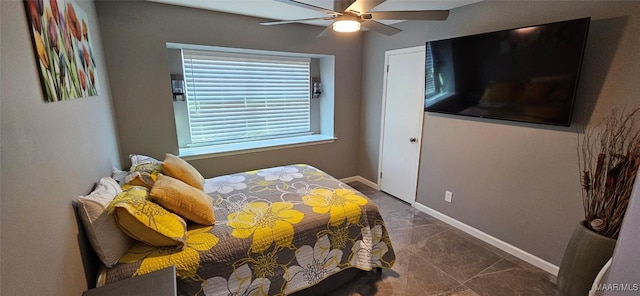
240, 148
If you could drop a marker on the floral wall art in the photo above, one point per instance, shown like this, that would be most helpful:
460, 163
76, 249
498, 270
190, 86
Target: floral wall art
62, 45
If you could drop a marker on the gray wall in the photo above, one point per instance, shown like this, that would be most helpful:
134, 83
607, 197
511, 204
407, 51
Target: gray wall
624, 267
51, 153
516, 182
524, 191
134, 35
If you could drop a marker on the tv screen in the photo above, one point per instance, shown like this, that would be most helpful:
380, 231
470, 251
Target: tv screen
526, 74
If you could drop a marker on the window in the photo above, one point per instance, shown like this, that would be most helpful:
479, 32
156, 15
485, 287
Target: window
430, 85
235, 98
239, 101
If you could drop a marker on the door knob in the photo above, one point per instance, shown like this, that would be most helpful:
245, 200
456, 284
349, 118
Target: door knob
413, 140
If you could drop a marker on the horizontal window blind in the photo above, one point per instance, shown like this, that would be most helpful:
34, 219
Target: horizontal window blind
234, 98
430, 85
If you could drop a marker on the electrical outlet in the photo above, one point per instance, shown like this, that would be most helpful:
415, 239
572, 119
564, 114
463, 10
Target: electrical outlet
447, 196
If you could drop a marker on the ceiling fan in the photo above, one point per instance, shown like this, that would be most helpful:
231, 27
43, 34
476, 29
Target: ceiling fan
350, 15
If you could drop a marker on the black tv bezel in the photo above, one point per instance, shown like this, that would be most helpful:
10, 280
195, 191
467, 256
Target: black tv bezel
587, 23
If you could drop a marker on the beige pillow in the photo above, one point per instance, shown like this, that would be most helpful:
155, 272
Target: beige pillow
176, 167
146, 221
106, 238
184, 200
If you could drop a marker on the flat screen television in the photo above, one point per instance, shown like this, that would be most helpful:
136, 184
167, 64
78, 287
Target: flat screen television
527, 74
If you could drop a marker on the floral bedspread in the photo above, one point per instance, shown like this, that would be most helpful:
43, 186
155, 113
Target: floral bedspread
277, 231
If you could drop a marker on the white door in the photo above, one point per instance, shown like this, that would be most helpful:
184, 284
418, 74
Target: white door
403, 111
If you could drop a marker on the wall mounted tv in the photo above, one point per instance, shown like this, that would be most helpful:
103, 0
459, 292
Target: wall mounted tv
526, 74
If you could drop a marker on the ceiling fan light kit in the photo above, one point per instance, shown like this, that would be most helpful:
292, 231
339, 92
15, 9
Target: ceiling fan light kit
346, 24
356, 14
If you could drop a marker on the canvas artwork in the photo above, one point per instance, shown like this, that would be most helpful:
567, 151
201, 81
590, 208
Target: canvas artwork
62, 45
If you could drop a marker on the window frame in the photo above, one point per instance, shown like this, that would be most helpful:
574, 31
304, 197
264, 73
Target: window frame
323, 68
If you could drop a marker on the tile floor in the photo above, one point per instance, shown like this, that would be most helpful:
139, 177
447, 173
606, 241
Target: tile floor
434, 258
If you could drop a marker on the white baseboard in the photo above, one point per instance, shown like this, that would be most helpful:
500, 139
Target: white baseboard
515, 251
502, 245
361, 180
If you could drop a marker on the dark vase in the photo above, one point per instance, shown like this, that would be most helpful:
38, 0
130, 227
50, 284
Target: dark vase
586, 253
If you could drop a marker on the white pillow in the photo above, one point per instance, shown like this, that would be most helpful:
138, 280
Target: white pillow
104, 234
119, 175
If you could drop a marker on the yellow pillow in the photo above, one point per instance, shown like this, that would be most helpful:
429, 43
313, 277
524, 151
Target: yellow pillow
184, 200
176, 167
536, 92
147, 221
502, 92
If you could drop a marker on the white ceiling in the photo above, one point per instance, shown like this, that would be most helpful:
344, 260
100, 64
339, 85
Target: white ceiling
270, 9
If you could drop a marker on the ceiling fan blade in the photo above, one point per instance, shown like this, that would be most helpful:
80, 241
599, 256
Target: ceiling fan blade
380, 27
362, 6
342, 5
327, 18
308, 6
424, 15
326, 32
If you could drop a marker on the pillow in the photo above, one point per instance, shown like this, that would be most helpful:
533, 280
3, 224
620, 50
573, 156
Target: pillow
119, 175
176, 167
536, 92
184, 200
147, 221
502, 92
138, 160
561, 92
141, 179
106, 238
144, 170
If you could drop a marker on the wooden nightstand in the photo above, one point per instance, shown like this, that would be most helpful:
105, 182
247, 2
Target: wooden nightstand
157, 283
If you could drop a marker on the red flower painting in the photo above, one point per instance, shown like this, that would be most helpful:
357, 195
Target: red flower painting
63, 52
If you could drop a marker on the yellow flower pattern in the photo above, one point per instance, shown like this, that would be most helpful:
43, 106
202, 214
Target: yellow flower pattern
272, 237
186, 260
338, 234
267, 223
341, 204
146, 221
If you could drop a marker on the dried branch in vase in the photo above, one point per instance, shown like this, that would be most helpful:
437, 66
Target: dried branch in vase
609, 160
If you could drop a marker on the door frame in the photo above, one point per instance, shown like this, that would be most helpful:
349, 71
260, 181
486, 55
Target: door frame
387, 54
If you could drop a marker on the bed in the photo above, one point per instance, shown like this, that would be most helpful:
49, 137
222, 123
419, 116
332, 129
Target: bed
277, 231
